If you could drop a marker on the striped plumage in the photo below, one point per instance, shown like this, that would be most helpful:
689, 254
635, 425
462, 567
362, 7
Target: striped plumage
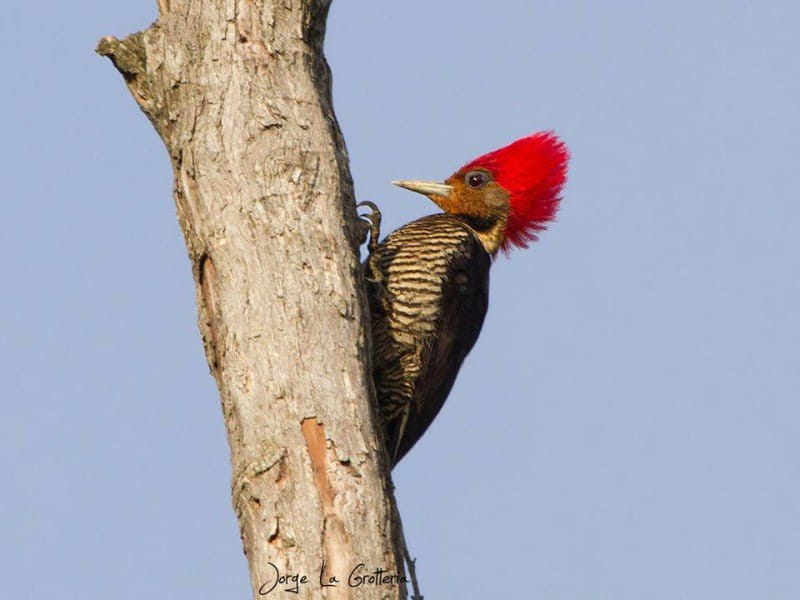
425, 321
430, 279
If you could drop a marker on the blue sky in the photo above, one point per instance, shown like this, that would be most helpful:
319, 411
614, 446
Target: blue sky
626, 427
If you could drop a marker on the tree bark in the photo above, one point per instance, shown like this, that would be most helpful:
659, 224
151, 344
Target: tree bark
239, 91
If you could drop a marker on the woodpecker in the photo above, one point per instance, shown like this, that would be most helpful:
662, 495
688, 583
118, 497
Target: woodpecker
429, 280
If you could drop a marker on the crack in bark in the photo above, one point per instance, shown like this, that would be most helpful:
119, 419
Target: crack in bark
206, 275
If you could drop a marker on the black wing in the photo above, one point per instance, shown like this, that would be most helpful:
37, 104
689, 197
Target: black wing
464, 302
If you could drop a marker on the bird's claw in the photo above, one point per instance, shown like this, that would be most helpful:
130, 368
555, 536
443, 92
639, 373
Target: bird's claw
373, 274
372, 220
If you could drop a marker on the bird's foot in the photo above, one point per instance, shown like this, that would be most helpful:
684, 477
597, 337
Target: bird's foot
371, 221
372, 231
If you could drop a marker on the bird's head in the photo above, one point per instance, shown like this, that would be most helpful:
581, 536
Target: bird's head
508, 195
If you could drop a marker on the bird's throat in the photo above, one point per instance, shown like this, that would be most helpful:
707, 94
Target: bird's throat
489, 230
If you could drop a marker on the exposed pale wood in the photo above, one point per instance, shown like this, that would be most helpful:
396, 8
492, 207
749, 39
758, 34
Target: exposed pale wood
240, 93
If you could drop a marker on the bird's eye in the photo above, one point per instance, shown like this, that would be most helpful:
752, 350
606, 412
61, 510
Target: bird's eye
476, 179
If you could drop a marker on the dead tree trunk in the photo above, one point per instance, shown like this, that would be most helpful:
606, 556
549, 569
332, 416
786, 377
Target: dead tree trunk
239, 91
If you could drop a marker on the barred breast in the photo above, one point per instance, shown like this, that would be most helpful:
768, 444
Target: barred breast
425, 319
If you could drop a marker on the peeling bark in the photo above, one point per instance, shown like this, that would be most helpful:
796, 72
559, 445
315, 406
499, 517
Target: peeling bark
239, 91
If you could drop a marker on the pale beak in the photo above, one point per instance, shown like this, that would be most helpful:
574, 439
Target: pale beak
429, 188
